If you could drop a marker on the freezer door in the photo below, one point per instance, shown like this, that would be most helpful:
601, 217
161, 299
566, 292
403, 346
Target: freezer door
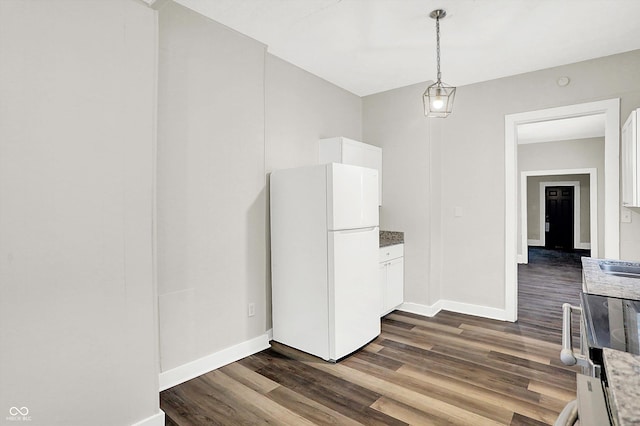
352, 197
354, 291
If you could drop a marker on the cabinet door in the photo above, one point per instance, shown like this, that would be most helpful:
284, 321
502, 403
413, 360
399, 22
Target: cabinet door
353, 154
395, 283
629, 162
382, 276
330, 150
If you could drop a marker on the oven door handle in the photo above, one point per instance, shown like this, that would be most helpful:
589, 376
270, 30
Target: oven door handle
567, 355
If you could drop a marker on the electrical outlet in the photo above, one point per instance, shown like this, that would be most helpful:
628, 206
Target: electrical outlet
252, 309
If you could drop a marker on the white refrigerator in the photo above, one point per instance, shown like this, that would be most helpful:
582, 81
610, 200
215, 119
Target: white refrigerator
324, 258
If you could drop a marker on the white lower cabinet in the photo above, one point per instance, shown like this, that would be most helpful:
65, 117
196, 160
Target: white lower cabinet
391, 272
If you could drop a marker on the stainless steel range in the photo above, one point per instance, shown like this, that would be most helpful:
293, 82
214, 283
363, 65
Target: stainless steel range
605, 322
610, 323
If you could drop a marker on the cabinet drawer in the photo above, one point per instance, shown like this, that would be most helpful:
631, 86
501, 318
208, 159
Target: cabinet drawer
391, 252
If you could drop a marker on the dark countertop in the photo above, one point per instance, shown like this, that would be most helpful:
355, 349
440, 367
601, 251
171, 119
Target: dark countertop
390, 238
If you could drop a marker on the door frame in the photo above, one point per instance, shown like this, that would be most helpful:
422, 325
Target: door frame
523, 256
611, 109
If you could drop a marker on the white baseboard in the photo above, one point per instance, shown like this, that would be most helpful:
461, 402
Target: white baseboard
155, 420
196, 368
459, 307
424, 310
535, 243
475, 310
521, 259
583, 246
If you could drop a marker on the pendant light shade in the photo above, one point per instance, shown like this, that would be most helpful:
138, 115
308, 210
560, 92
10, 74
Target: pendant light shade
438, 98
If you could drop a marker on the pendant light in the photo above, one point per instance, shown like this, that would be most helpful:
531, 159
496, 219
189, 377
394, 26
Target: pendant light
438, 98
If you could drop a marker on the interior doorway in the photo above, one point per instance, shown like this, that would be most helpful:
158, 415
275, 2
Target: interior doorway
610, 109
587, 202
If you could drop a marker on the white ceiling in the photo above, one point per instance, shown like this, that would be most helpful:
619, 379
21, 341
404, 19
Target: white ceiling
369, 46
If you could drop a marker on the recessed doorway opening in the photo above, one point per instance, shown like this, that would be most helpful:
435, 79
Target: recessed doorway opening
610, 109
533, 226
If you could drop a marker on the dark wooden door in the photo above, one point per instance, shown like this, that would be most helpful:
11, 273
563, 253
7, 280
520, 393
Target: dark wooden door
559, 217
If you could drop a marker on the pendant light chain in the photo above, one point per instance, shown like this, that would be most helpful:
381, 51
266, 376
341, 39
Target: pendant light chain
438, 44
439, 96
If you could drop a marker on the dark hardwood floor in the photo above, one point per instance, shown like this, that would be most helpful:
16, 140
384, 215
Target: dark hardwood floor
551, 278
451, 369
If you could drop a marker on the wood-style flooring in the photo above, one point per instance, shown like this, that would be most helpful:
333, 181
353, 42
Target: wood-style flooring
451, 369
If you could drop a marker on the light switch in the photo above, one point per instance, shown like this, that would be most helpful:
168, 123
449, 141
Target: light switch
625, 215
457, 212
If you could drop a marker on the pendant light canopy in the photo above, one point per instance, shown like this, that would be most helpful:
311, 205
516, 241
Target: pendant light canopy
438, 98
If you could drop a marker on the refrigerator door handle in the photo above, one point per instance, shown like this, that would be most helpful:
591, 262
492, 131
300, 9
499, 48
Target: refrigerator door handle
351, 231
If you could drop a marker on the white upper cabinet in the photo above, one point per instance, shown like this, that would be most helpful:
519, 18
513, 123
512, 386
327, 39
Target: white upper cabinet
348, 151
630, 161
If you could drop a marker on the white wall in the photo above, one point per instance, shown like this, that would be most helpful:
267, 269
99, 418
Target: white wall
302, 108
211, 187
78, 331
470, 171
229, 113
